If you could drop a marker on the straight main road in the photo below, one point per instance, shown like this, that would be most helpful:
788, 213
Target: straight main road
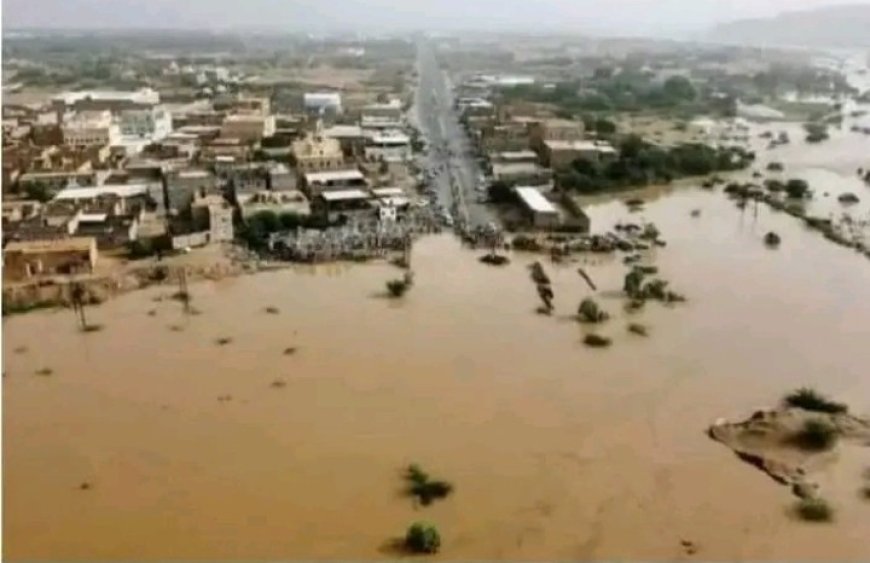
450, 159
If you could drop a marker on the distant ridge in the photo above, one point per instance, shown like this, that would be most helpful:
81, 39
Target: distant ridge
832, 26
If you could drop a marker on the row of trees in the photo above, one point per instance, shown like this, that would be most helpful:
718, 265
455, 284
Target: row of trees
641, 163
611, 92
257, 228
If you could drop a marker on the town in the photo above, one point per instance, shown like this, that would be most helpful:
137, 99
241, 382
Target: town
345, 280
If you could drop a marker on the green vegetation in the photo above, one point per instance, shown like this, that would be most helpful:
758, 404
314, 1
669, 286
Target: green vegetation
816, 132
816, 434
20, 308
629, 89
424, 488
39, 191
423, 538
814, 510
590, 312
797, 188
641, 163
811, 400
398, 287
655, 289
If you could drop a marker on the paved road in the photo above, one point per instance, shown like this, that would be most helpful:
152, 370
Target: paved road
450, 159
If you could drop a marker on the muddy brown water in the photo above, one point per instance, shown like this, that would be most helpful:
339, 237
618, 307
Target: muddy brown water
556, 450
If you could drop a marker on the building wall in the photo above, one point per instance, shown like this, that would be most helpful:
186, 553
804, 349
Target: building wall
18, 266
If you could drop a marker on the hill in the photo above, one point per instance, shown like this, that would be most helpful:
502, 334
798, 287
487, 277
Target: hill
832, 26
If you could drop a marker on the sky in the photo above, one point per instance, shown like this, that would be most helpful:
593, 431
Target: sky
643, 17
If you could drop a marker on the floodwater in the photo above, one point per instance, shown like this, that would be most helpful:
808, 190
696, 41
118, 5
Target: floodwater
556, 450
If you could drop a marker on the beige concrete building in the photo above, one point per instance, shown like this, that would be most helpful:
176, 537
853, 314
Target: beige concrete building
248, 127
560, 154
26, 260
90, 128
317, 153
554, 130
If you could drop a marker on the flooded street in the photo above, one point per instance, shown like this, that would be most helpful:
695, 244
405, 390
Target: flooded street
556, 450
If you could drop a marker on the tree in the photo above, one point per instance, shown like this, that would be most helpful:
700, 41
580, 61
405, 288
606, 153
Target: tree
422, 538
679, 89
38, 191
605, 126
797, 188
500, 192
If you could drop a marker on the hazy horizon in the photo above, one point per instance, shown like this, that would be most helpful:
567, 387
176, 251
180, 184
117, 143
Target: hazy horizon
646, 17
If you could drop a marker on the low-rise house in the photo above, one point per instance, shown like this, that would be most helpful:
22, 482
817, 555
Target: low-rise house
248, 127
282, 178
111, 231
351, 138
389, 146
56, 181
560, 154
540, 211
225, 146
554, 130
322, 103
185, 185
26, 260
130, 196
100, 100
248, 179
509, 136
391, 109
15, 211
521, 156
150, 124
214, 214
346, 204
528, 173
336, 180
292, 201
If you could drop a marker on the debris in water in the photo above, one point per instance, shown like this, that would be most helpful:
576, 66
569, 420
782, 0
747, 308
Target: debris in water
272, 310
597, 341
290, 350
639, 329
696, 213
495, 259
279, 384
590, 312
45, 372
223, 341
772, 239
20, 349
84, 486
587, 279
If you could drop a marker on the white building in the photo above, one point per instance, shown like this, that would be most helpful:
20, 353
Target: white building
90, 128
541, 212
151, 124
105, 99
322, 102
391, 146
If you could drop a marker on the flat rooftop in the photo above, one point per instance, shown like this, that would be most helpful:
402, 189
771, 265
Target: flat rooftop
333, 176
120, 190
344, 195
590, 146
534, 200
83, 244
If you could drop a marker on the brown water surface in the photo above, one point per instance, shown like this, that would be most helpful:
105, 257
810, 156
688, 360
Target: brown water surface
556, 450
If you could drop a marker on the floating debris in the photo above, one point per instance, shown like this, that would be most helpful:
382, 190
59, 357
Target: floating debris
494, 259
695, 213
20, 349
152, 313
84, 486
272, 310
278, 384
772, 239
290, 350
638, 329
223, 341
848, 198
597, 341
45, 372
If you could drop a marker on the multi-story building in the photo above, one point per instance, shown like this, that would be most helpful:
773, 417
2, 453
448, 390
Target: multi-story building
560, 154
317, 153
89, 128
248, 127
322, 102
151, 124
554, 130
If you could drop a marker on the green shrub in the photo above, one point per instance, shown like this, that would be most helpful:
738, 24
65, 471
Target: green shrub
810, 400
814, 510
817, 434
422, 538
